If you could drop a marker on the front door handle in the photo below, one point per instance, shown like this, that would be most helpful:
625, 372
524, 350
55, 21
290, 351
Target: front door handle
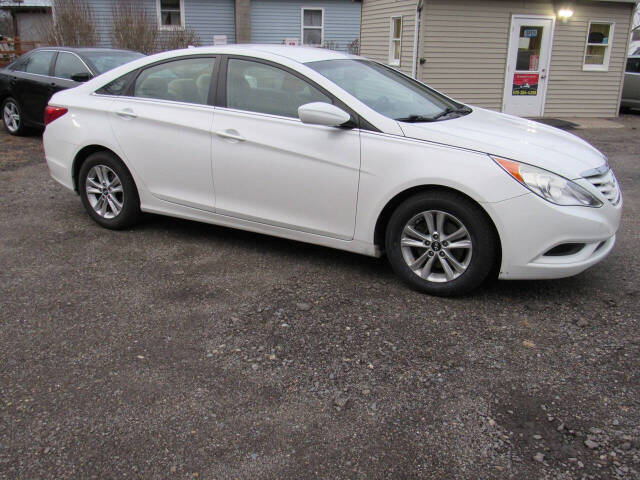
230, 134
126, 113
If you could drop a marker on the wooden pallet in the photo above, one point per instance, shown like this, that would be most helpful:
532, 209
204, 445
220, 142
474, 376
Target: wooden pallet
11, 48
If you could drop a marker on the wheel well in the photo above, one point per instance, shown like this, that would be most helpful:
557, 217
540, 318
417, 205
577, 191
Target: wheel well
387, 211
80, 158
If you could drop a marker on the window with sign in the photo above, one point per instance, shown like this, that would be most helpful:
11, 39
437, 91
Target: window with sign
312, 26
395, 45
598, 49
529, 45
170, 13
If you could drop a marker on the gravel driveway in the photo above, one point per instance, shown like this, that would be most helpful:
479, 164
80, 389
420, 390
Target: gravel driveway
184, 350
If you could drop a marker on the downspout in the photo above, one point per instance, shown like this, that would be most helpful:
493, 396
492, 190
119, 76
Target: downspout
416, 38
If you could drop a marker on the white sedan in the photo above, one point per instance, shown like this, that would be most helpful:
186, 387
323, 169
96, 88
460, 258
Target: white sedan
336, 150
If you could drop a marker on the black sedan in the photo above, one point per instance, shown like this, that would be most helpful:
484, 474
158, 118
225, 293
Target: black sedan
27, 84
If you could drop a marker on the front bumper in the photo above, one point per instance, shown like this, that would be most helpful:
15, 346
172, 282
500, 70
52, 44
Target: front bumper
530, 227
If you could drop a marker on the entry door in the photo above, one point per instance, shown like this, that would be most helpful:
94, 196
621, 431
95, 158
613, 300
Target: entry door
527, 76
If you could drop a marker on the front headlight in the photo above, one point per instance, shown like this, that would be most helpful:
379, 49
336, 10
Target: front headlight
551, 187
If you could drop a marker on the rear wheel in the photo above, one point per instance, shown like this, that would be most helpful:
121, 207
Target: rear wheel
12, 117
441, 243
108, 191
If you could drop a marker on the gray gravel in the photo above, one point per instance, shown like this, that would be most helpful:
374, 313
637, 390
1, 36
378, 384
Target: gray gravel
184, 350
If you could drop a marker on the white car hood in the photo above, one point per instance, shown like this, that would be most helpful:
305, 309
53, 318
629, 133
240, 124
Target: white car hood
513, 138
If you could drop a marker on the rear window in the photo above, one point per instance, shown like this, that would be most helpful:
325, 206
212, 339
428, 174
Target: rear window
106, 60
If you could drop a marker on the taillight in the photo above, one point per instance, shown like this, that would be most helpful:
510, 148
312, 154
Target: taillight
53, 113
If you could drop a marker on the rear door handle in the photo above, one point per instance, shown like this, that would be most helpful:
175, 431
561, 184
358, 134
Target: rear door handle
126, 113
230, 134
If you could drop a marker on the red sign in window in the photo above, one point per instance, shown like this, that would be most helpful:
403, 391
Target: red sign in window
525, 84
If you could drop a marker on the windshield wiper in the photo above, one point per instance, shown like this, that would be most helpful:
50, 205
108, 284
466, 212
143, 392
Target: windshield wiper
463, 109
415, 118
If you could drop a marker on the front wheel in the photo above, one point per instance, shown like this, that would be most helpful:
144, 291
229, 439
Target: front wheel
441, 243
108, 191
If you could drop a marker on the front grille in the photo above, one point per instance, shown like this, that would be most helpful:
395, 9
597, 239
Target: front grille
607, 184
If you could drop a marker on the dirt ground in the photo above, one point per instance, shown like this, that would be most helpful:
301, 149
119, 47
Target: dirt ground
184, 350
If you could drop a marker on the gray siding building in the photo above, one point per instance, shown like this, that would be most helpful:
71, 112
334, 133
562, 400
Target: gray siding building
330, 23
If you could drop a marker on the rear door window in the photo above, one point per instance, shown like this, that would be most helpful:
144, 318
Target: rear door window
186, 80
39, 62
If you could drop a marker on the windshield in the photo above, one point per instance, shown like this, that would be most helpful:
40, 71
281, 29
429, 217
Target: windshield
106, 60
385, 90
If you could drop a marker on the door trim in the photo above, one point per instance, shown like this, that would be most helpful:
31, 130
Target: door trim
510, 51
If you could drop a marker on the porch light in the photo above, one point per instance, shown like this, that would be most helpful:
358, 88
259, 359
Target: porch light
565, 13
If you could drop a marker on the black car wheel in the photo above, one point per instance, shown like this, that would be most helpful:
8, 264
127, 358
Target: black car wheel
12, 117
441, 243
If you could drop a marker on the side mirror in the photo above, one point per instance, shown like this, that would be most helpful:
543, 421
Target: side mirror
81, 77
319, 113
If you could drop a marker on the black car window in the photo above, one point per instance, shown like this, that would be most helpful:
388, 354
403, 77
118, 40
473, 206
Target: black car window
119, 85
39, 62
68, 64
187, 80
633, 65
258, 87
20, 64
104, 60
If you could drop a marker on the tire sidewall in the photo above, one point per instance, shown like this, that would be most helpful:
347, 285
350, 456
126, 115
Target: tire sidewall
131, 202
21, 127
475, 221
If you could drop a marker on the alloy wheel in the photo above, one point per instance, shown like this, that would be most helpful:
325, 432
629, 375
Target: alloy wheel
436, 246
104, 191
11, 116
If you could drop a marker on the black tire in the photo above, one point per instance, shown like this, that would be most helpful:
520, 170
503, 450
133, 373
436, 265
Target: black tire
21, 129
481, 233
130, 213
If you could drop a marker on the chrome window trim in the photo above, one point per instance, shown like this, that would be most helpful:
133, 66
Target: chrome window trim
54, 66
153, 100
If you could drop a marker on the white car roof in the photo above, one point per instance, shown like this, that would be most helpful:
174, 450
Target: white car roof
297, 54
